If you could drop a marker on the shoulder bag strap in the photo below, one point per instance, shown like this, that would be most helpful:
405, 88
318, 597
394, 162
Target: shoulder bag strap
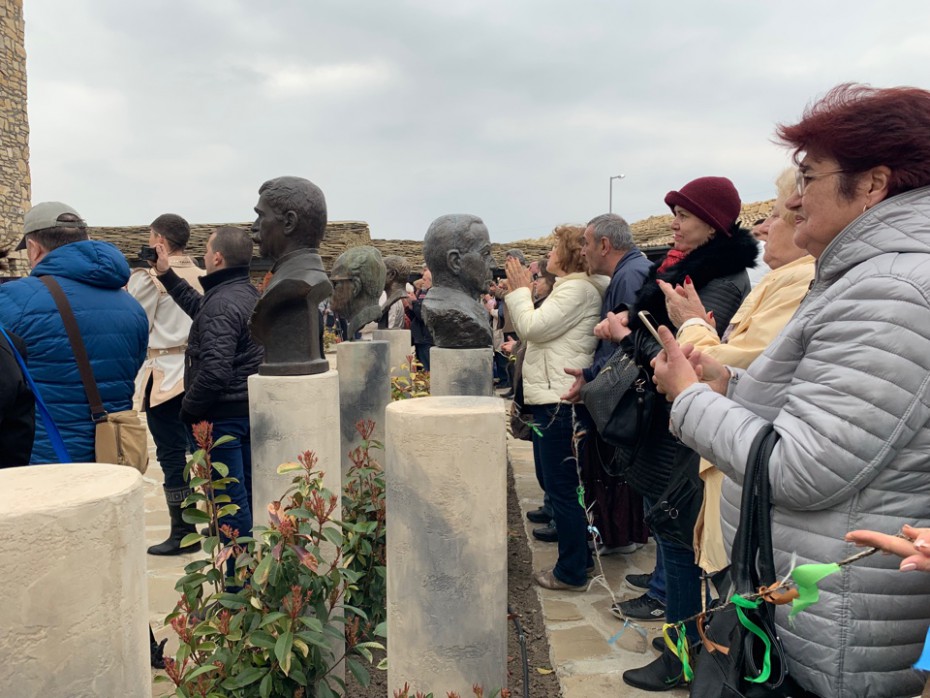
58, 444
97, 413
746, 543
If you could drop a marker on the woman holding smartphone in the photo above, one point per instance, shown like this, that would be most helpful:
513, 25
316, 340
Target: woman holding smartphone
711, 253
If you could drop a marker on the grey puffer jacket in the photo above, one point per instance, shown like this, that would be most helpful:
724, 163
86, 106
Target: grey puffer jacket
847, 386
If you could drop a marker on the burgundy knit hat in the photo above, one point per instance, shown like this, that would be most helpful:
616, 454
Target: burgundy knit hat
712, 199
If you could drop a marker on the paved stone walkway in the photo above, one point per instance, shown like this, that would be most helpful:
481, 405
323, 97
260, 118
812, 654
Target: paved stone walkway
580, 625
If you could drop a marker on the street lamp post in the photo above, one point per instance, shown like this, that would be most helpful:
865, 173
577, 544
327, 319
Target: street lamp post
610, 207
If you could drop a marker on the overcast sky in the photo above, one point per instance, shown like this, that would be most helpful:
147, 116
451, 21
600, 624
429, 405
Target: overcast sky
517, 111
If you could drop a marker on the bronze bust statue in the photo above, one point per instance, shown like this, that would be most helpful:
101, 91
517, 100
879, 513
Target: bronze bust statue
397, 270
458, 253
358, 279
290, 224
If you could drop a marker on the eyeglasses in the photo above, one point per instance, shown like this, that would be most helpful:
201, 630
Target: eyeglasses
802, 178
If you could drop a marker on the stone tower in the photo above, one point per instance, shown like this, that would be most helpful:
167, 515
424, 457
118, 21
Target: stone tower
15, 183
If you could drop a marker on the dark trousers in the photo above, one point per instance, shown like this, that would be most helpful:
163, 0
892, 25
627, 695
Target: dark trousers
170, 436
682, 583
553, 450
422, 352
237, 456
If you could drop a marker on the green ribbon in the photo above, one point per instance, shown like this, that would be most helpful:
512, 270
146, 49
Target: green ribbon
806, 577
580, 492
740, 604
679, 648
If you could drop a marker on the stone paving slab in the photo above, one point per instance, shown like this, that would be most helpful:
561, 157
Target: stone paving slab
580, 625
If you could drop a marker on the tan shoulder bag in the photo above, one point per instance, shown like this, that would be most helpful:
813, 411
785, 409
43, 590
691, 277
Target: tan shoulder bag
120, 437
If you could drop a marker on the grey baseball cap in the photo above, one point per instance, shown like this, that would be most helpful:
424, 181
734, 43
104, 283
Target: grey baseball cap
45, 215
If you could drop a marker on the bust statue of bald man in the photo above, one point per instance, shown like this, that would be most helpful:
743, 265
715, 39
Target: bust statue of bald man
358, 278
289, 227
457, 250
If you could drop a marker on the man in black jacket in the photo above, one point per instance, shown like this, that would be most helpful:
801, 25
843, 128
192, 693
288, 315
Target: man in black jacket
220, 356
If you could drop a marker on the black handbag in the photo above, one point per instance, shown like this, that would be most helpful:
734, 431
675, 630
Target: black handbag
621, 401
734, 655
676, 512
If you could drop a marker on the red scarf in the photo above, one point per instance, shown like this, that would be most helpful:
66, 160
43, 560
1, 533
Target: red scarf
671, 259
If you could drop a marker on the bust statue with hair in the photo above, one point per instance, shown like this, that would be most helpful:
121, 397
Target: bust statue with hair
458, 252
395, 291
289, 227
358, 279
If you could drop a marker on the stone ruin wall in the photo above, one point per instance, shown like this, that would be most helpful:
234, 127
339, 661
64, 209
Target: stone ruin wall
14, 127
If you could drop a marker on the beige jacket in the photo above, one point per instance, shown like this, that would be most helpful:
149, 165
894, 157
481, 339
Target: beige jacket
758, 321
169, 327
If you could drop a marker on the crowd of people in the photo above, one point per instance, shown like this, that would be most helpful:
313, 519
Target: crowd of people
830, 346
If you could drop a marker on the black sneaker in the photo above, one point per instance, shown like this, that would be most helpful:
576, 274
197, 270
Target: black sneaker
641, 608
638, 581
547, 534
538, 516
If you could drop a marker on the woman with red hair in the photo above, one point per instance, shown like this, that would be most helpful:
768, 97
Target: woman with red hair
846, 386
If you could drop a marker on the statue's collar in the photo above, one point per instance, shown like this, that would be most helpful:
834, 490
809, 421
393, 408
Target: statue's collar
304, 257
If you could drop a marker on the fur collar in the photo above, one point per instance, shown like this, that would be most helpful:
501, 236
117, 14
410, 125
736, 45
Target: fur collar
721, 256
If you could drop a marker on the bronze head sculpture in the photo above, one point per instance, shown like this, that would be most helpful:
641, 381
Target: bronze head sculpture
458, 252
289, 227
397, 270
358, 279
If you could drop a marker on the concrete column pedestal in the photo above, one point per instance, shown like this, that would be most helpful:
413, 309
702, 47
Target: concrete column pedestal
74, 619
461, 371
401, 348
364, 392
290, 415
446, 480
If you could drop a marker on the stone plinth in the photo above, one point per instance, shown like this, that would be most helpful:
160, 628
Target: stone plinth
290, 415
364, 392
447, 544
401, 349
73, 621
461, 371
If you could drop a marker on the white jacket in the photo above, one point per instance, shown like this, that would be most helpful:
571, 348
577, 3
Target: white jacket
559, 334
168, 330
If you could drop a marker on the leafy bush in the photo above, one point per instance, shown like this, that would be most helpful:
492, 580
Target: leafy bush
365, 543
412, 381
275, 626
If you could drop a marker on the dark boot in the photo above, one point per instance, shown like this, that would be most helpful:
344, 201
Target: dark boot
662, 674
179, 528
156, 651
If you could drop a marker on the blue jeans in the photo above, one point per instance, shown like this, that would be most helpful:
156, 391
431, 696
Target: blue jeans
237, 456
553, 451
682, 584
657, 579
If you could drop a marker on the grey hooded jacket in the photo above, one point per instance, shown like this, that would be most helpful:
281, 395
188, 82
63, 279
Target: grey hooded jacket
847, 386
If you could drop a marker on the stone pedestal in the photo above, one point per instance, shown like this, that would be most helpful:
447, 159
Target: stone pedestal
461, 371
447, 544
73, 621
364, 392
401, 349
290, 415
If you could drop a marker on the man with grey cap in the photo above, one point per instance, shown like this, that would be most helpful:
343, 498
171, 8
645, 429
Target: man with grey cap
112, 324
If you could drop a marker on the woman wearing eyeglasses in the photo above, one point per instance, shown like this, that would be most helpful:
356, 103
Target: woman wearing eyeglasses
846, 386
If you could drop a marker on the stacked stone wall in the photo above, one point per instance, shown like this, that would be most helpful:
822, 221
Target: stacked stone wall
14, 128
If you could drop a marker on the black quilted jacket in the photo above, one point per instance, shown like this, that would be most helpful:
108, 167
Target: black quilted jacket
221, 354
718, 271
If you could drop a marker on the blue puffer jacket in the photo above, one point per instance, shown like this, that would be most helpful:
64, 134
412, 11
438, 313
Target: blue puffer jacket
113, 326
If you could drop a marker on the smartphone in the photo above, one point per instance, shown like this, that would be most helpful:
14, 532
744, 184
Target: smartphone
148, 254
649, 322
